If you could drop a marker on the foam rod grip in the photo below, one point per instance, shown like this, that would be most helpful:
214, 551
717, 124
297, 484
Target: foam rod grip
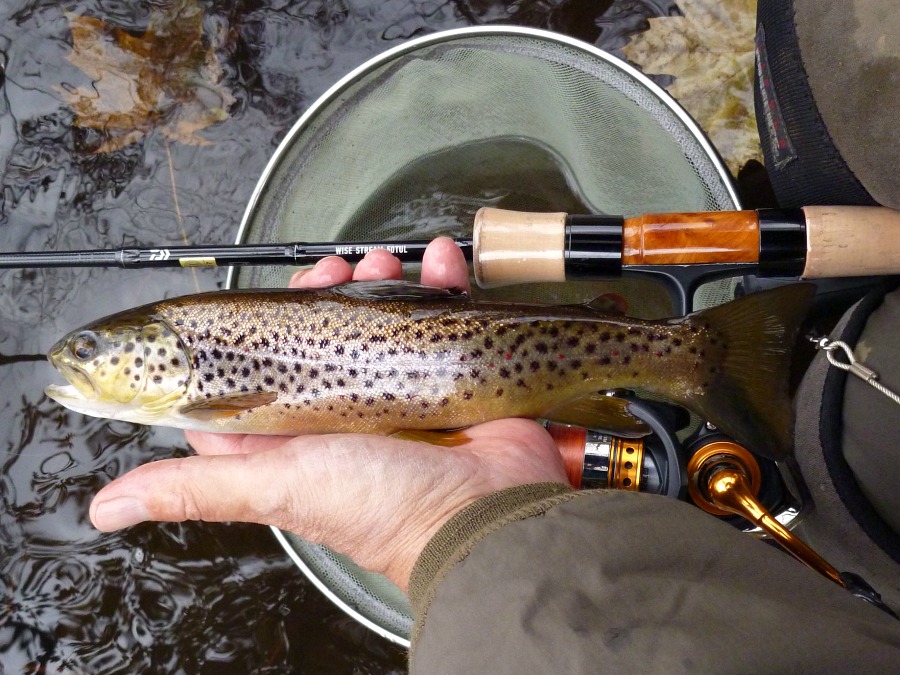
851, 241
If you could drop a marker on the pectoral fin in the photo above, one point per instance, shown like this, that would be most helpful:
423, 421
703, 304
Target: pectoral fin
598, 411
229, 405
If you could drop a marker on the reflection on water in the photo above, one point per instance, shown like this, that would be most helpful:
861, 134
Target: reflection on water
190, 598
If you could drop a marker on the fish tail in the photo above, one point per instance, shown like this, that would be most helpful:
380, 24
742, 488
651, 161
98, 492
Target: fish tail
748, 399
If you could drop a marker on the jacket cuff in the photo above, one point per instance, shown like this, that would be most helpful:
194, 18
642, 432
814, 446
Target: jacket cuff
459, 535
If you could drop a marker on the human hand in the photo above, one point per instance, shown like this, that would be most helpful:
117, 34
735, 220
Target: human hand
376, 499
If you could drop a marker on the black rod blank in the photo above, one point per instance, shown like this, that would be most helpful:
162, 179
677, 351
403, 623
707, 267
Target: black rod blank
215, 256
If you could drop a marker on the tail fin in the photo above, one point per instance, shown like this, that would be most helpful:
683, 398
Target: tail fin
749, 400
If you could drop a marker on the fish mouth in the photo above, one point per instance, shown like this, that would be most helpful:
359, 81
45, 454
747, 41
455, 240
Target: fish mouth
64, 393
80, 386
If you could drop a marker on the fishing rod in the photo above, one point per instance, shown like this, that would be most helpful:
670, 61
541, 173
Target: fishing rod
511, 247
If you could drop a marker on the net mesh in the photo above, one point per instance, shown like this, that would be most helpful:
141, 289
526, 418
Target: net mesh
415, 143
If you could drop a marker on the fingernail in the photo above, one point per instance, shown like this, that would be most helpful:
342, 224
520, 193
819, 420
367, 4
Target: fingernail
119, 512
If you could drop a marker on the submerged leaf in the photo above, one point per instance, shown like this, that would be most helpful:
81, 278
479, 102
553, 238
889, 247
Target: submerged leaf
709, 51
165, 79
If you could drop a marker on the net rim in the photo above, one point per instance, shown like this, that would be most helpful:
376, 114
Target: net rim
351, 79
446, 36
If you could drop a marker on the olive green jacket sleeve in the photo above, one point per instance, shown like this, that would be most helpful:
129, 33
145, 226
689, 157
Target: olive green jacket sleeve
544, 579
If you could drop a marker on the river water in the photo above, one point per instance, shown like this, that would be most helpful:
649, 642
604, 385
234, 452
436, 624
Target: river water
166, 598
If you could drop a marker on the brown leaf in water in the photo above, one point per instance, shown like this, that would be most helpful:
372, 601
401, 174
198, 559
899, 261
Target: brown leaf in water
709, 51
165, 79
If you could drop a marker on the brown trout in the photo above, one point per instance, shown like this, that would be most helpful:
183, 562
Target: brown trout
383, 357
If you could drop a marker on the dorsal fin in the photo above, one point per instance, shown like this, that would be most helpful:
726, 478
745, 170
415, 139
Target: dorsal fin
396, 289
609, 303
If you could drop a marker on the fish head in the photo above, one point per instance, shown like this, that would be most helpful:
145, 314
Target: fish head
128, 367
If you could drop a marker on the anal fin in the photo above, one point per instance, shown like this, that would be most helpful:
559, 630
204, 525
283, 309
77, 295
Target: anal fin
599, 411
446, 439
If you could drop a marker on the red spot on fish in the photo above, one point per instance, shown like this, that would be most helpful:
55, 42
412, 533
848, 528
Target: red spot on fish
508, 356
615, 352
560, 357
659, 354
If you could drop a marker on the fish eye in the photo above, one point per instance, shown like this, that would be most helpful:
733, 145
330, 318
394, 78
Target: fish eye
84, 345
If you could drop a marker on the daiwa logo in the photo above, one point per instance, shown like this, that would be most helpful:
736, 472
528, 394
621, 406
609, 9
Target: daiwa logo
159, 254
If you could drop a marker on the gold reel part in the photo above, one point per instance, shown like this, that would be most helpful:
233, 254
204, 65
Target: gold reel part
626, 459
724, 479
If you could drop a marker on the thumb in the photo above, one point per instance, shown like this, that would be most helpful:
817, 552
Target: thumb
237, 487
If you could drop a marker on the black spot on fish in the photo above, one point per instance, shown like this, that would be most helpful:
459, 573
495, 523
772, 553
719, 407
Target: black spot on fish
534, 366
467, 395
208, 377
114, 360
573, 342
339, 350
352, 372
157, 379
230, 383
282, 368
504, 372
161, 351
129, 347
175, 362
605, 361
488, 343
220, 372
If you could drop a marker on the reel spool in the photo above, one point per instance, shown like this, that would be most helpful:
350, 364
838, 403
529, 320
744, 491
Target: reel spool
414, 142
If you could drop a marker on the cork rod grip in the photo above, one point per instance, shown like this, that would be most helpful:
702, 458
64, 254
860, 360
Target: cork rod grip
513, 247
849, 241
